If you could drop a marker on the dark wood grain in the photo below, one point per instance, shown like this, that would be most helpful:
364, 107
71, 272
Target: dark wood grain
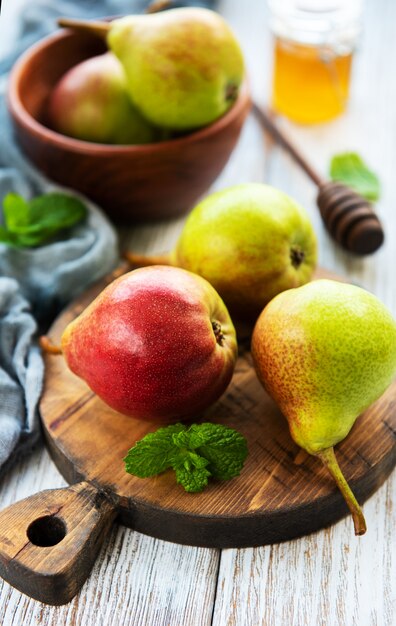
131, 183
349, 218
48, 542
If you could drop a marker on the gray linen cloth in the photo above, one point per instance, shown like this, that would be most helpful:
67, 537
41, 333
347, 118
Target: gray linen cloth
51, 275
21, 373
47, 277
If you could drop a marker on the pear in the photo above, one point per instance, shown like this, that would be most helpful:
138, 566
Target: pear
184, 66
156, 344
250, 241
90, 102
325, 352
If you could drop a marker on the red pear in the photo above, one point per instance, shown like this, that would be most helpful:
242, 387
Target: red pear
90, 102
157, 344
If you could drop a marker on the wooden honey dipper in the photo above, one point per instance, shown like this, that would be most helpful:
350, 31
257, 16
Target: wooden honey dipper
349, 218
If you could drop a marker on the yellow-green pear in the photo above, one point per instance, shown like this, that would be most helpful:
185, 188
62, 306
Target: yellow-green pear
184, 66
325, 352
250, 241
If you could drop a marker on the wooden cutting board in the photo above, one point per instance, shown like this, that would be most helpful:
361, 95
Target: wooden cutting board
49, 541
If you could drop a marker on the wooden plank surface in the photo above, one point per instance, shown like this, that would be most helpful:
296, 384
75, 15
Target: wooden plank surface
331, 577
326, 578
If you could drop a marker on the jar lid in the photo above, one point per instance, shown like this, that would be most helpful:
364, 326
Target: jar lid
316, 22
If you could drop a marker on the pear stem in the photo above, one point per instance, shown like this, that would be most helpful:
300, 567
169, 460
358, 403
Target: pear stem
102, 28
158, 5
95, 27
48, 347
140, 260
328, 458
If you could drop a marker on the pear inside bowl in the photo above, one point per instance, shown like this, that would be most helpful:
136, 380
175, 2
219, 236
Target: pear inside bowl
131, 183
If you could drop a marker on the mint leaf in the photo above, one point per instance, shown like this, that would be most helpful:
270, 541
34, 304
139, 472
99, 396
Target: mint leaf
195, 454
153, 454
224, 448
191, 471
55, 211
30, 224
189, 460
7, 237
16, 211
350, 169
192, 478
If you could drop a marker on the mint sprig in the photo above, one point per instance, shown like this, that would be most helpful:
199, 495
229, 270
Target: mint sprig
196, 453
350, 169
32, 223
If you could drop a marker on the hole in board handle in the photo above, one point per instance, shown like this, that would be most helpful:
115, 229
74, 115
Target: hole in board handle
46, 531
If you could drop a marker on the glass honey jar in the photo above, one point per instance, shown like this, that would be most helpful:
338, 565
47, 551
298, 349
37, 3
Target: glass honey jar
314, 44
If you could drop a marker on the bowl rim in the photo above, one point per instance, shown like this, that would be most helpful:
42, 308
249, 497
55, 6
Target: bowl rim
24, 118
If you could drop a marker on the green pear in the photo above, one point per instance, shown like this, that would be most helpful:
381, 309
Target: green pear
90, 102
250, 241
184, 66
325, 352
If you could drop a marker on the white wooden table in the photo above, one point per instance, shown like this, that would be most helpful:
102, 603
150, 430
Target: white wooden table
327, 578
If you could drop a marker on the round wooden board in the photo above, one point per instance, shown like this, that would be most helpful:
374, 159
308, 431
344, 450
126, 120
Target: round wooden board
272, 500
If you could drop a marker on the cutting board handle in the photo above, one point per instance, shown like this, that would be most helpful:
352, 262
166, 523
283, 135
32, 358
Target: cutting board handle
49, 541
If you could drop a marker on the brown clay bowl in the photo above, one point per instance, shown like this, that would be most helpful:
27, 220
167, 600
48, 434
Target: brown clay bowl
154, 181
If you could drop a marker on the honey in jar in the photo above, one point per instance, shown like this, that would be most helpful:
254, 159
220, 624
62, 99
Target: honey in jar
314, 43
